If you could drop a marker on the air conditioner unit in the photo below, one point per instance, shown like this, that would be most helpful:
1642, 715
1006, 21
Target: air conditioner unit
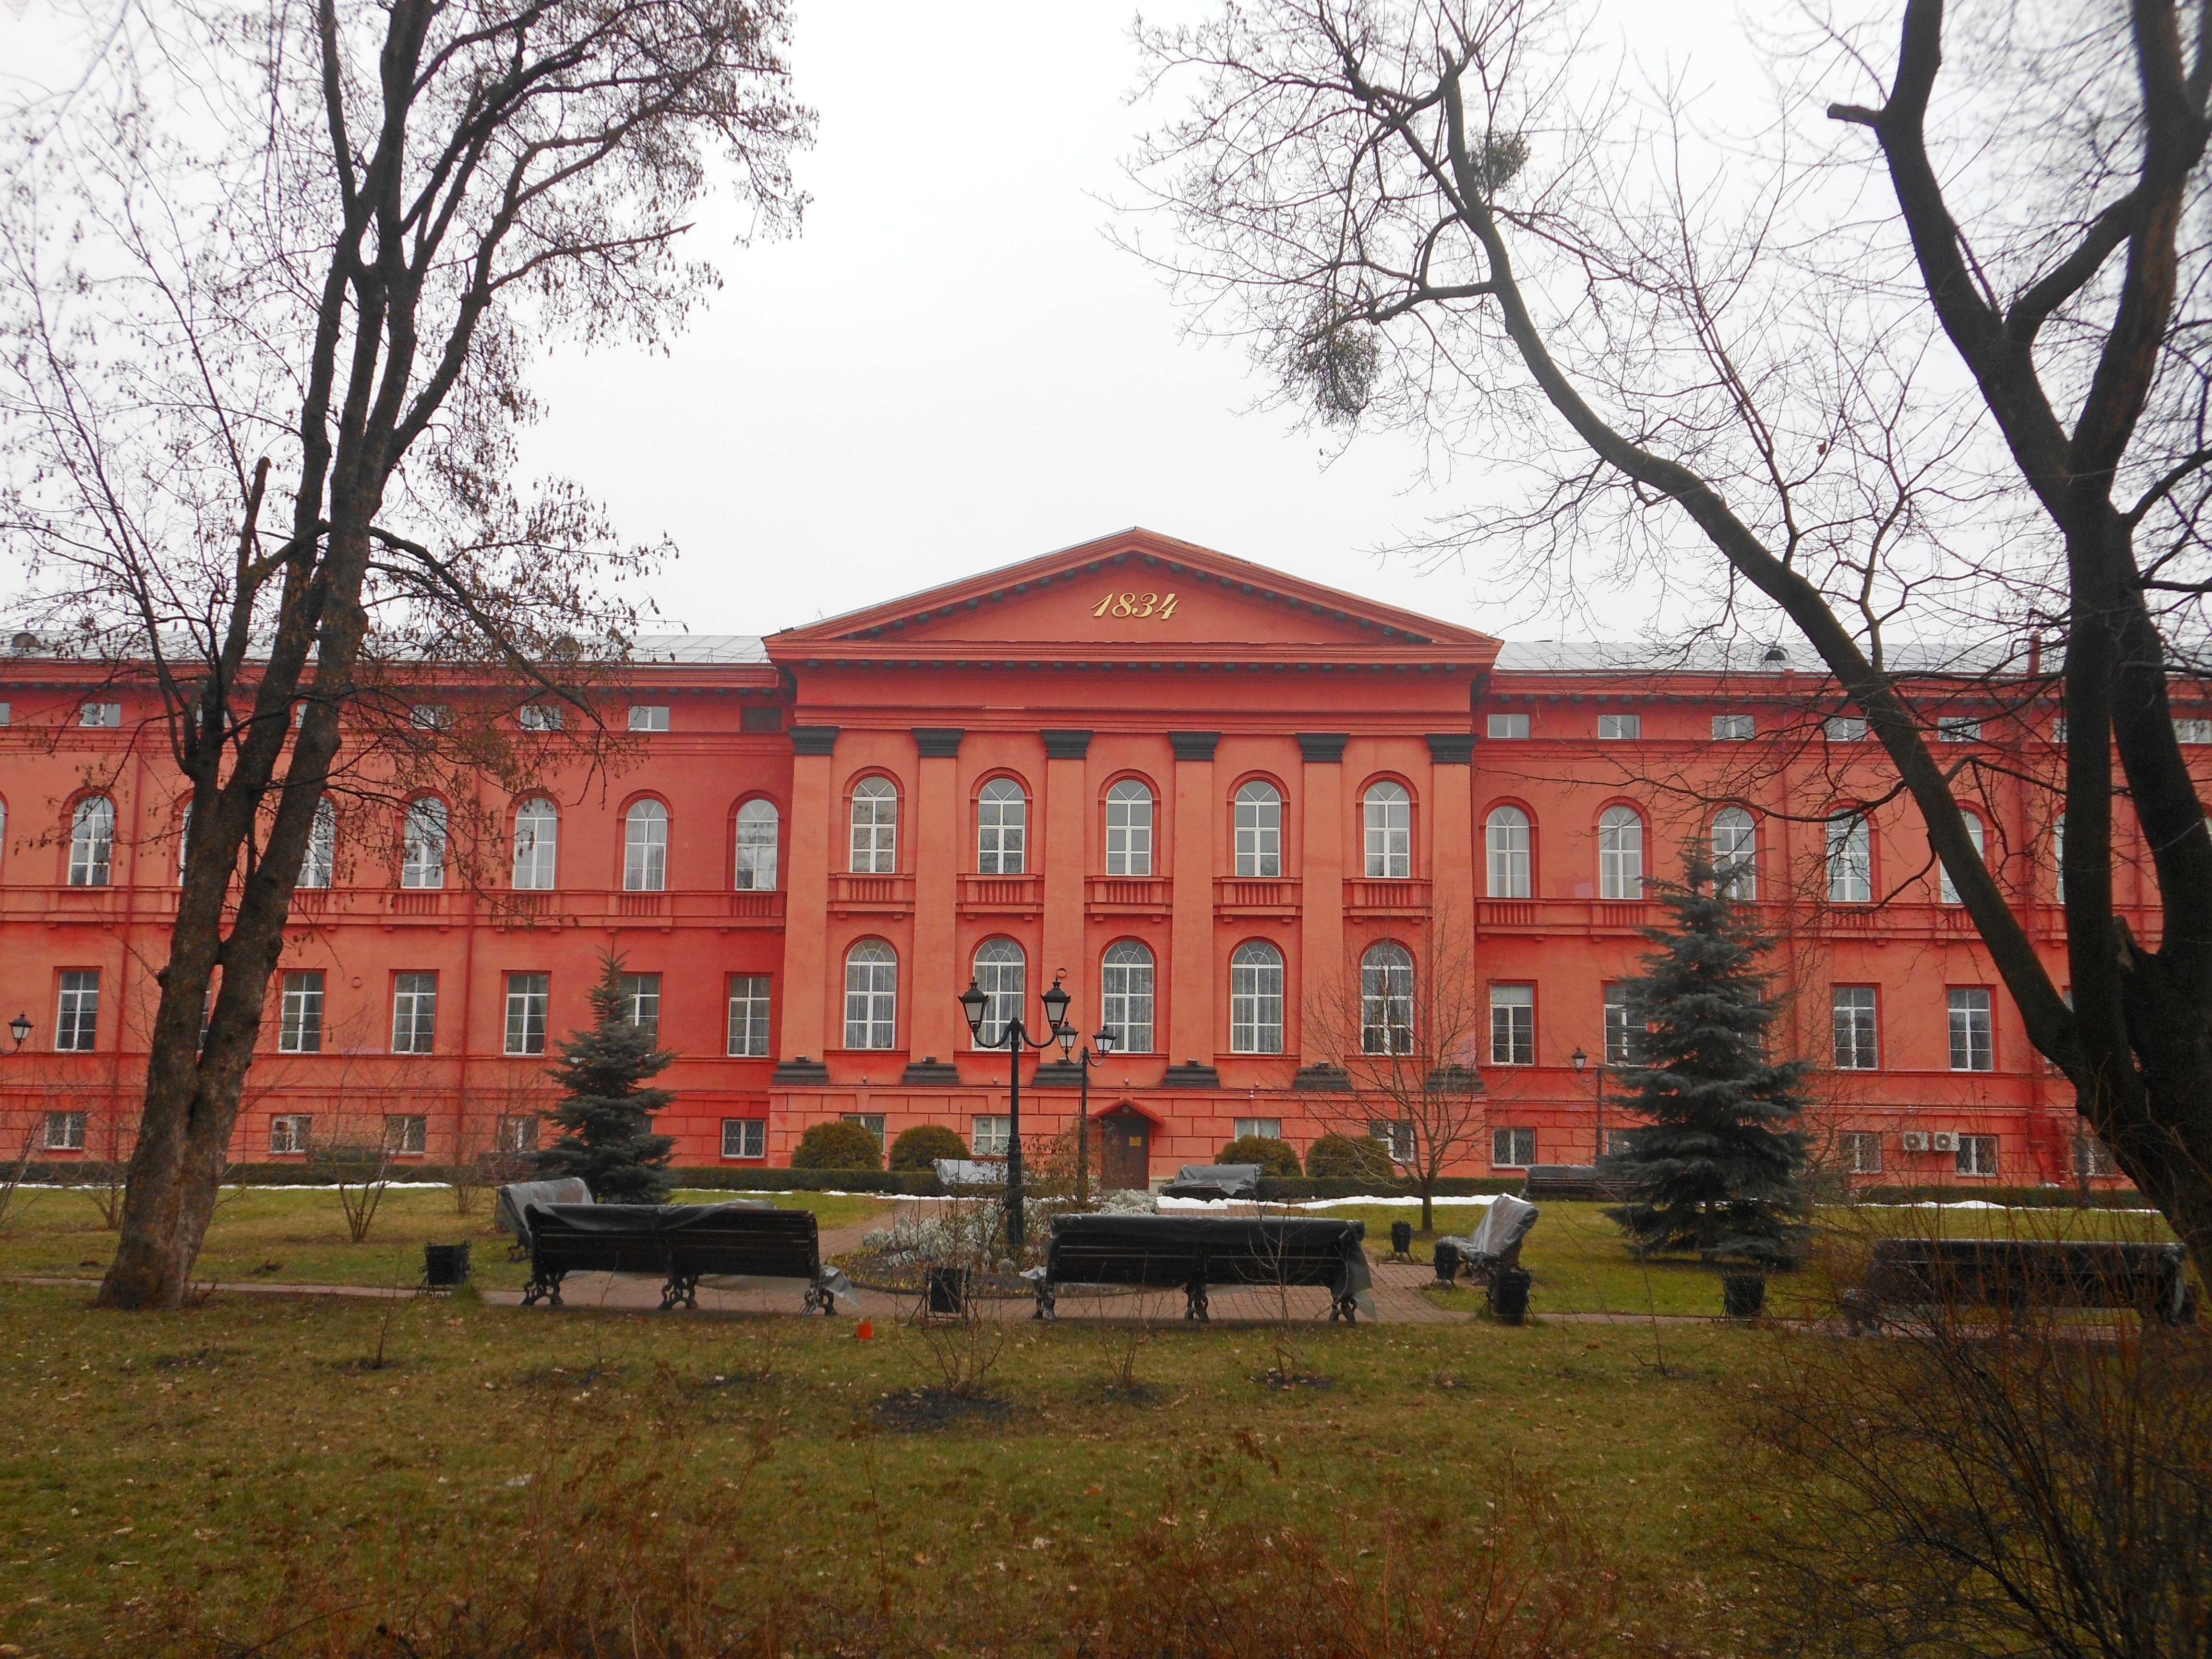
1944, 1142
1914, 1140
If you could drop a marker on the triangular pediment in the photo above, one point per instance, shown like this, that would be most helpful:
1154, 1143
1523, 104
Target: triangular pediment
1128, 594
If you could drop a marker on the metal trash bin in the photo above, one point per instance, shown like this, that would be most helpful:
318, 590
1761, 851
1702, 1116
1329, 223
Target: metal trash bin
1508, 1294
445, 1267
1401, 1238
1743, 1296
947, 1290
1446, 1259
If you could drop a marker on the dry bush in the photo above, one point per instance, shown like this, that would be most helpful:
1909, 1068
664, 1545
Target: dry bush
964, 1347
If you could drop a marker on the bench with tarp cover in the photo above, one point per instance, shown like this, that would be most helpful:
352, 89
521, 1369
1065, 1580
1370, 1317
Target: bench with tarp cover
1214, 1181
507, 1211
1494, 1245
684, 1243
1194, 1252
1919, 1276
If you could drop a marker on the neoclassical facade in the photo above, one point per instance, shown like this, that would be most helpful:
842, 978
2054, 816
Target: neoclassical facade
1193, 789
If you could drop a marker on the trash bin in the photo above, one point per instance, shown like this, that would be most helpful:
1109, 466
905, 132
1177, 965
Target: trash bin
1508, 1294
1447, 1258
445, 1267
947, 1289
1743, 1295
1401, 1238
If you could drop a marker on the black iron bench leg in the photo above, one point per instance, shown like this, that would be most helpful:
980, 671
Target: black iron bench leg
1047, 1302
1194, 1303
1346, 1308
820, 1297
680, 1287
545, 1288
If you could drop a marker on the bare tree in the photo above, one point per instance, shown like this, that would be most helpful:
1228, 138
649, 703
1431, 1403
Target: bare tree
1438, 213
269, 284
1405, 1019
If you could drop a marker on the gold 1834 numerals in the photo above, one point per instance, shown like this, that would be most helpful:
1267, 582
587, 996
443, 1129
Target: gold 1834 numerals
1159, 606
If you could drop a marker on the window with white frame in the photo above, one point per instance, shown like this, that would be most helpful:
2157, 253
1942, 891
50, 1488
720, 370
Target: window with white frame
641, 1002
1397, 1139
1851, 1015
1735, 852
1385, 1000
1860, 1152
1620, 854
1617, 1142
649, 717
1256, 998
758, 827
2092, 1158
1512, 1149
65, 1132
2058, 860
1977, 1155
414, 1013
1128, 829
2058, 731
871, 1121
2193, 729
1002, 818
1734, 728
429, 717
1620, 1036
1509, 728
1627, 726
406, 1133
320, 867
1513, 1025
1388, 820
537, 845
1972, 1041
290, 1132
1259, 830
109, 714
875, 827
76, 1018
645, 847
184, 843
527, 997
1260, 1128
749, 1016
871, 995
1947, 890
744, 1136
1851, 859
1958, 729
1125, 984
541, 717
516, 1134
300, 1029
1506, 842
989, 1134
92, 842
1843, 728
422, 844
1002, 976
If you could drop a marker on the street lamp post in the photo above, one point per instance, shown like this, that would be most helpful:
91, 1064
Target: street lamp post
1580, 1060
20, 1029
1101, 1041
1014, 1037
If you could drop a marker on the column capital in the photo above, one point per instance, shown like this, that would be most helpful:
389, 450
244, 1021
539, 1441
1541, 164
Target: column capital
1452, 748
939, 742
1066, 746
813, 739
1324, 748
1194, 745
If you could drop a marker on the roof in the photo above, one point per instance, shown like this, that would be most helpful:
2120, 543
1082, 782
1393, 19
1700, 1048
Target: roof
1742, 657
697, 648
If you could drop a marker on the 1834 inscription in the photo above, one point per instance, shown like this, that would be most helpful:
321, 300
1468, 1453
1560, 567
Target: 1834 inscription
1156, 606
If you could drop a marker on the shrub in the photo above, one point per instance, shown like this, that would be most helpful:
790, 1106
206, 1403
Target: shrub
1361, 1157
920, 1147
1276, 1158
837, 1144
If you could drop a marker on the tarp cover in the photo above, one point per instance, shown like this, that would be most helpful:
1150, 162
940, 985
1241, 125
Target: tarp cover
1167, 1240
1505, 1224
515, 1199
970, 1172
1211, 1180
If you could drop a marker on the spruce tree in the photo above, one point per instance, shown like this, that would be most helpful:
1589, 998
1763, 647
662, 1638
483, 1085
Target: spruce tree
1716, 1167
606, 1117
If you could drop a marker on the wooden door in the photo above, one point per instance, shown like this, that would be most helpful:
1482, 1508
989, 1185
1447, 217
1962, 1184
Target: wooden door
1125, 1161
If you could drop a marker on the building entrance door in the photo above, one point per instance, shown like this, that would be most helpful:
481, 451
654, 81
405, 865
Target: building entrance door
1125, 1159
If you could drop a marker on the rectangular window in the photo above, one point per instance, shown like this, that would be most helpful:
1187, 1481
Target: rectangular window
1973, 1048
1620, 1041
7, 716
1852, 1011
1843, 728
1513, 1025
299, 1031
429, 717
1397, 1140
1851, 859
1620, 726
1513, 1149
1255, 1000
744, 1136
1508, 727
1861, 1152
641, 1002
541, 716
1125, 997
414, 1013
64, 1131
406, 1133
1267, 1128
648, 719
517, 1134
1977, 1155
1128, 830
289, 1134
2091, 1158
76, 1021
1617, 1142
2058, 731
526, 995
871, 1121
987, 1136
760, 719
100, 713
1734, 728
1958, 730
749, 1016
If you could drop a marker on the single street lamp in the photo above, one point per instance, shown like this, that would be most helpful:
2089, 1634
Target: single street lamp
1014, 1037
20, 1029
1580, 1060
1102, 1045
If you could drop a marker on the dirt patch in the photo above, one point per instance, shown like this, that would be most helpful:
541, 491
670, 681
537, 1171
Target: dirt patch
567, 1376
369, 1362
1131, 1394
926, 1411
1281, 1380
198, 1359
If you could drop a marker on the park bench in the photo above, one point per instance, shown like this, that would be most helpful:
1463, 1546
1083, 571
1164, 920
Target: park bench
1196, 1252
1214, 1181
1571, 1184
684, 1242
1921, 1275
1494, 1245
507, 1211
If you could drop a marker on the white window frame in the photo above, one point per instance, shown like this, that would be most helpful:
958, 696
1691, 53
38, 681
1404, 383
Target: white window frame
645, 847
1861, 1151
541, 717
760, 829
406, 1134
1512, 1148
641, 1002
750, 997
1126, 1005
1855, 1027
1256, 998
1001, 968
1387, 820
1399, 1141
1002, 826
744, 1136
1620, 854
989, 1134
1508, 843
1386, 999
528, 1000
1844, 728
423, 836
1620, 1040
290, 1132
875, 811
1259, 817
429, 717
1947, 890
1849, 851
1960, 728
76, 1015
1735, 852
649, 717
871, 995
100, 716
1620, 728
64, 1131
516, 1134
1129, 808
300, 1024
1513, 1024
1972, 1021
537, 845
1976, 1155
1509, 728
92, 842
318, 868
414, 1013
1262, 1128
1734, 728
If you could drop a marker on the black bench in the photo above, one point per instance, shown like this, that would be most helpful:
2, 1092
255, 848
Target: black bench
1572, 1183
1922, 1274
682, 1242
1194, 1252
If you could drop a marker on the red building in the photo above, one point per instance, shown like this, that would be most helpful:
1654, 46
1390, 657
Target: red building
1192, 785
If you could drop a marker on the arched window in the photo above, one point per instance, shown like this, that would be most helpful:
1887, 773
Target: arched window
875, 827
645, 847
1620, 854
1001, 972
1389, 814
1255, 997
320, 867
1947, 891
1505, 833
1125, 984
871, 995
756, 835
537, 845
92, 842
1002, 818
1385, 1000
1851, 859
1129, 829
1735, 852
1259, 835
422, 844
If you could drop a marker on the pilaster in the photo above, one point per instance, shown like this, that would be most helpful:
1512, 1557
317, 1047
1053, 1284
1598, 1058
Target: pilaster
1191, 966
933, 1021
1067, 817
1451, 830
1321, 931
806, 988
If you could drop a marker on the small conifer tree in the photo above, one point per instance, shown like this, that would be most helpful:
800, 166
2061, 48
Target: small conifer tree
605, 1113
1714, 1169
